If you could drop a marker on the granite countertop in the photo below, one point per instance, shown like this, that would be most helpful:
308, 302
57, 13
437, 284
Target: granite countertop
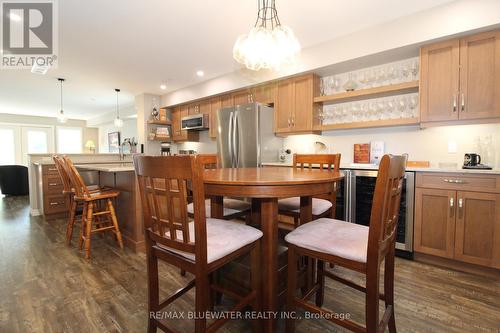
375, 167
108, 167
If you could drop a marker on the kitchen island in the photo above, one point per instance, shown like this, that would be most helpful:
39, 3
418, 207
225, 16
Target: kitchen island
121, 176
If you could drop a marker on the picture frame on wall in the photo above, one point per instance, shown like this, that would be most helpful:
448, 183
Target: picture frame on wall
114, 142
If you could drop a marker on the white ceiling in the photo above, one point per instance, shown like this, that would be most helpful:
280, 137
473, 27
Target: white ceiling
136, 45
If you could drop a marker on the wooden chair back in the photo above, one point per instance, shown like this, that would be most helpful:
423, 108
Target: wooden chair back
328, 161
385, 208
163, 185
59, 162
77, 183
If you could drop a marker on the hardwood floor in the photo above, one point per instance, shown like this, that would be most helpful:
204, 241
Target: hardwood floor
46, 286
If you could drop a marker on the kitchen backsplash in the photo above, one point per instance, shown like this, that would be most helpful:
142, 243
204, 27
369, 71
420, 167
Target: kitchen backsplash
446, 144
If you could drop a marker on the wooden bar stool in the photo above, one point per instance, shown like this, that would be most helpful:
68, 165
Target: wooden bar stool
74, 208
199, 246
355, 247
98, 214
322, 206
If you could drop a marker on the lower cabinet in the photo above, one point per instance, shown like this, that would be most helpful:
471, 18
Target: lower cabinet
458, 224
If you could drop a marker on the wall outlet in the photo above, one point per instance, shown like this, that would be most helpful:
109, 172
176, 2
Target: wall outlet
452, 147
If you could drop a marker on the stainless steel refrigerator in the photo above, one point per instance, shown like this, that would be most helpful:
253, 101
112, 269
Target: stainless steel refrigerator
245, 136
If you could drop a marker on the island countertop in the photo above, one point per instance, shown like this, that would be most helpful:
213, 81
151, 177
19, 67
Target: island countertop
108, 167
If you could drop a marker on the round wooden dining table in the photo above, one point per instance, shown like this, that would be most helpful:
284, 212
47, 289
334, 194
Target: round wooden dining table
265, 186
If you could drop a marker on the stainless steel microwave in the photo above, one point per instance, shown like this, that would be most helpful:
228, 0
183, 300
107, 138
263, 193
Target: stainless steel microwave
195, 122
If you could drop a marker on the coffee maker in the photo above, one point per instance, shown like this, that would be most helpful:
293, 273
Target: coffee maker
165, 149
473, 161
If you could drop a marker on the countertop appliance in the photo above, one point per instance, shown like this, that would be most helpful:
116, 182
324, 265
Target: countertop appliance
197, 122
245, 136
354, 203
473, 161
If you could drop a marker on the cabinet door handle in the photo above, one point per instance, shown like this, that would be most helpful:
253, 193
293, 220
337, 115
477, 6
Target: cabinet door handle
454, 181
293, 121
460, 207
454, 103
463, 103
452, 206
289, 122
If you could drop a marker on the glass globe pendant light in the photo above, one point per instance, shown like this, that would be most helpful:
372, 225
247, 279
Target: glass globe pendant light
269, 44
118, 122
61, 117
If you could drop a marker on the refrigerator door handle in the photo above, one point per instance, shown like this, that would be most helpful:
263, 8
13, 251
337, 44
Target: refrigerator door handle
236, 144
230, 139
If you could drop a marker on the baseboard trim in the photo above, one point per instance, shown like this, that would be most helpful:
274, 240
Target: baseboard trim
35, 212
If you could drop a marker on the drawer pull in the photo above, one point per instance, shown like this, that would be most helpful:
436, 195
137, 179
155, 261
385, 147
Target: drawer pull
54, 203
53, 184
454, 181
52, 169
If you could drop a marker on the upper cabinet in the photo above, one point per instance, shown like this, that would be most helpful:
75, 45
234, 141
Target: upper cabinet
460, 79
215, 105
179, 135
294, 106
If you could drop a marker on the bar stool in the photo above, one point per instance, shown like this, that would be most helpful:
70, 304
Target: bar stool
354, 247
73, 206
98, 214
200, 246
322, 205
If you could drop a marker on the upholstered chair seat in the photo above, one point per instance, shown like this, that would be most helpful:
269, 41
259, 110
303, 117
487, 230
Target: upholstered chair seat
319, 206
223, 237
231, 207
339, 238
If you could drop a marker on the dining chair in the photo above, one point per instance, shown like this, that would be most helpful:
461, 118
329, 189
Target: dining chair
355, 247
98, 214
232, 208
200, 245
323, 205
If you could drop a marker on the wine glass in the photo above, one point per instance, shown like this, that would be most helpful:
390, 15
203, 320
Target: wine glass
413, 103
322, 86
414, 69
402, 107
336, 83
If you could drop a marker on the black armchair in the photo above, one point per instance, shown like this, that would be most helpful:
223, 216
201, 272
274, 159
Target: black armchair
14, 180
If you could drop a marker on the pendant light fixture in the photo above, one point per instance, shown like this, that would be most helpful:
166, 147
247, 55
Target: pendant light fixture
61, 117
269, 44
118, 122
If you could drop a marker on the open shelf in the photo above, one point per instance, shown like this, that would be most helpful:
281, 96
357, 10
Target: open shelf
163, 139
370, 124
392, 89
159, 122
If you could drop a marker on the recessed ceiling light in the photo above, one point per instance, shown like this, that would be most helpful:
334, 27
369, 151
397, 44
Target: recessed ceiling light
163, 86
200, 73
15, 17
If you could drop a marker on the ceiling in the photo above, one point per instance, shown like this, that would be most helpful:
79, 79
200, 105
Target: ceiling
138, 45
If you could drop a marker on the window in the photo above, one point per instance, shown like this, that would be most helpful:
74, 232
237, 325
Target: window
7, 148
69, 140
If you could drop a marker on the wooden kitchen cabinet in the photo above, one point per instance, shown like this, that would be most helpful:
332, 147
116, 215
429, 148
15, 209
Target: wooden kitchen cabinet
439, 81
477, 236
294, 107
242, 97
226, 101
54, 201
215, 105
265, 94
435, 222
199, 108
179, 135
480, 76
458, 218
460, 79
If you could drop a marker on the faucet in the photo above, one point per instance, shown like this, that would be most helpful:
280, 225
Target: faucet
122, 150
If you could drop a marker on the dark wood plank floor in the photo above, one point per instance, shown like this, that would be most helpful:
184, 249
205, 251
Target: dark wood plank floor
48, 287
